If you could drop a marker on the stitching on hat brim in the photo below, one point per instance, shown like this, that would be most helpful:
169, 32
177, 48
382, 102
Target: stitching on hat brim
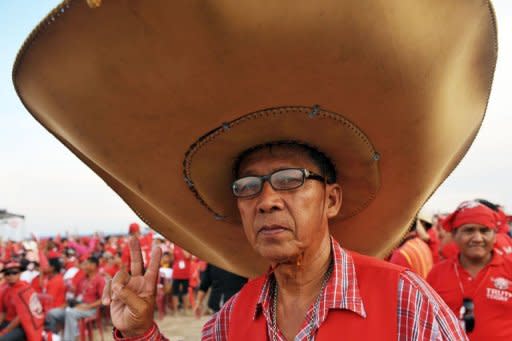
229, 213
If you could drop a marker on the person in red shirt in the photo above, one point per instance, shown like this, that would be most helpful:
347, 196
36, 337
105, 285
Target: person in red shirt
502, 244
86, 303
50, 285
477, 283
414, 253
21, 313
110, 264
180, 277
10, 326
111, 245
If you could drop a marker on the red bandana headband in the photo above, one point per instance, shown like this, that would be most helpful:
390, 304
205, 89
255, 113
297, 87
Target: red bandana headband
503, 226
471, 212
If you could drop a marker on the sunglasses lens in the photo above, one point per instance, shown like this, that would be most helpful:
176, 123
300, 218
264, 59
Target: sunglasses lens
245, 187
287, 179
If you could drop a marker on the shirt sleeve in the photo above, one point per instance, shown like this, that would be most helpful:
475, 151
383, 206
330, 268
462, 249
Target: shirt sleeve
422, 314
217, 327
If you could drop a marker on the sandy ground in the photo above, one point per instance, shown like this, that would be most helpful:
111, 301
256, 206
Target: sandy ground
176, 328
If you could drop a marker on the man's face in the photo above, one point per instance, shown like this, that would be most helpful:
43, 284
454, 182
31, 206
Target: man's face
89, 267
283, 225
12, 276
475, 241
165, 260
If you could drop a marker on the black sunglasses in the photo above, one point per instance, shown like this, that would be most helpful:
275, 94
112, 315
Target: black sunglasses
467, 314
11, 272
280, 180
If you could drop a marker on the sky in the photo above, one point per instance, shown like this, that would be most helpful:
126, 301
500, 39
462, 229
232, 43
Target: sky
56, 192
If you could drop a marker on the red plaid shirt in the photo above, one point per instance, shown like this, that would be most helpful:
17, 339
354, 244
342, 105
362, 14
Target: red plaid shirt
421, 313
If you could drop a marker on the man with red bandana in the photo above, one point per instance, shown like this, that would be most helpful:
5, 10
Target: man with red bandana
477, 283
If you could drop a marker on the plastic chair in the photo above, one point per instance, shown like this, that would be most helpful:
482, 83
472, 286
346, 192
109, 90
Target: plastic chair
85, 326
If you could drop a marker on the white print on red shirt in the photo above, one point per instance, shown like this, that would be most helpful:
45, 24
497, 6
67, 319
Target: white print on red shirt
499, 292
498, 295
500, 283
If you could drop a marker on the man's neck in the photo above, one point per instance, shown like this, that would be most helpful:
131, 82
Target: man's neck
473, 266
304, 278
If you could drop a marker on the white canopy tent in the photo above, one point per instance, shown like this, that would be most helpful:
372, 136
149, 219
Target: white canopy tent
12, 226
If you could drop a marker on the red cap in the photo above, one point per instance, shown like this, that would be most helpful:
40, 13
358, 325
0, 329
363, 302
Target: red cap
12, 265
471, 212
53, 254
134, 228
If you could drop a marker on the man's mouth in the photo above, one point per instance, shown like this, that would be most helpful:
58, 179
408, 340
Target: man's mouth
269, 230
478, 246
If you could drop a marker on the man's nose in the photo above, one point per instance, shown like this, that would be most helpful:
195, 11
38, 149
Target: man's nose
478, 236
269, 199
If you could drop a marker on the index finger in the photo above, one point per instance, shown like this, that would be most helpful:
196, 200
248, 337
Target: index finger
136, 263
154, 266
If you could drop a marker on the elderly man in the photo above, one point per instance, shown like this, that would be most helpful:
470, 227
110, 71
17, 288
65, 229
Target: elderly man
477, 283
312, 99
286, 194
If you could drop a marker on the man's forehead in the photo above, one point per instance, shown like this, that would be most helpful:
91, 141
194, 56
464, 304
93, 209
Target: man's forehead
473, 226
295, 156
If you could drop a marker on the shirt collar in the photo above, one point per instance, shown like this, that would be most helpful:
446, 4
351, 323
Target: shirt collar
341, 292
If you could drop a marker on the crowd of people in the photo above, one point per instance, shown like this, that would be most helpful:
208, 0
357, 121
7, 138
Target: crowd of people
62, 280
466, 256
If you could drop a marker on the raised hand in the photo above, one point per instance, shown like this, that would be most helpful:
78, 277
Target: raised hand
132, 297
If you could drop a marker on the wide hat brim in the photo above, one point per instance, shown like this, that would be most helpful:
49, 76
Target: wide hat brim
154, 96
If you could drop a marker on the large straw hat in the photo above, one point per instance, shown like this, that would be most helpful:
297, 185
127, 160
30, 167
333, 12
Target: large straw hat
159, 97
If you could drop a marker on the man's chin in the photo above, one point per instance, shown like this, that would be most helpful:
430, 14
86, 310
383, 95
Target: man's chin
477, 256
278, 256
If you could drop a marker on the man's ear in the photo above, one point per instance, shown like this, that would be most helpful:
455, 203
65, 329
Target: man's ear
334, 199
